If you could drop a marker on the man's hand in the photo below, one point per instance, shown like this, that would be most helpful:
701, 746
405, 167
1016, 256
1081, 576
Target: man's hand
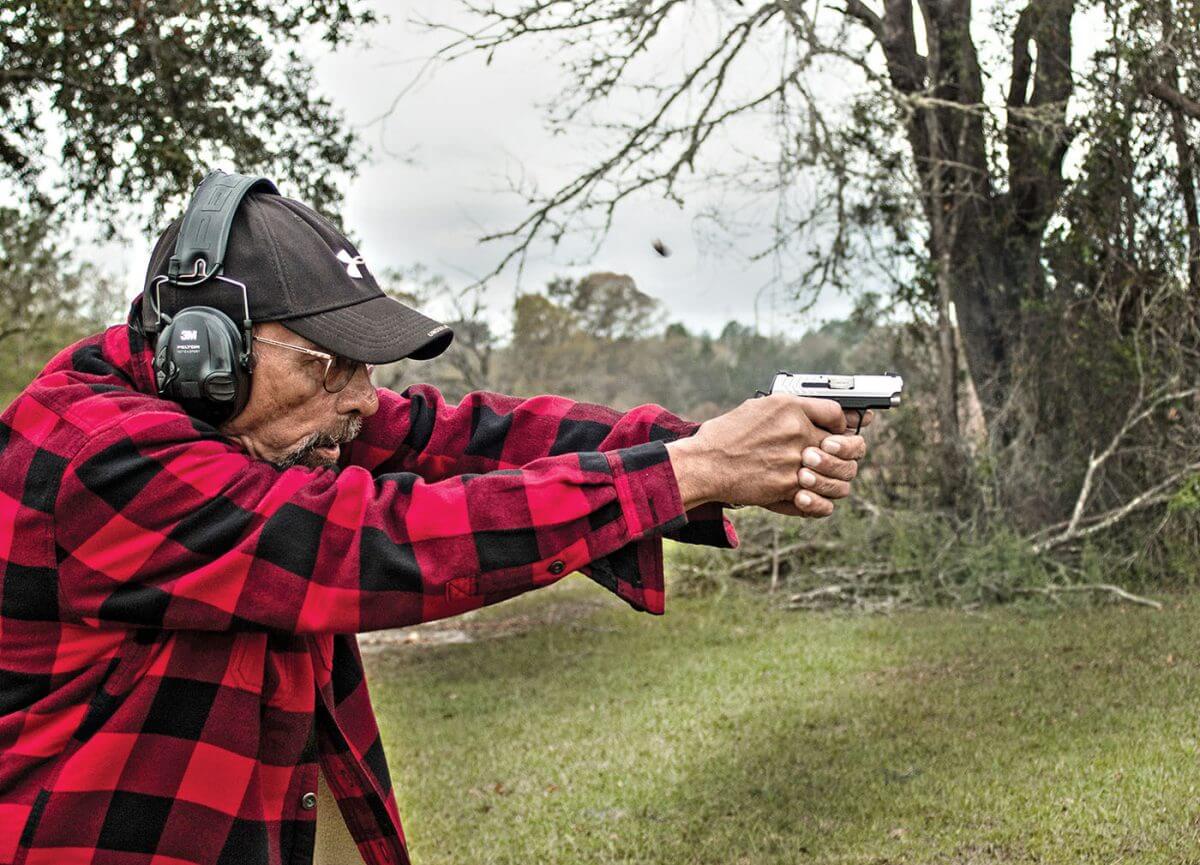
776, 452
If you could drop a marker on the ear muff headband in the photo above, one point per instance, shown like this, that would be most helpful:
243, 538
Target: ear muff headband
204, 232
201, 359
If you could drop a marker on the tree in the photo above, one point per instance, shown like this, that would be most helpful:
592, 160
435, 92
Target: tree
608, 305
150, 93
44, 303
550, 353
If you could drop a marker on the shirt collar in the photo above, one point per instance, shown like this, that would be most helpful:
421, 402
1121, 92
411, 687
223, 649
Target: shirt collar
131, 348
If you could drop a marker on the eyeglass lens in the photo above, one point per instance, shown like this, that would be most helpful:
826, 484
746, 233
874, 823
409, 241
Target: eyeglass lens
340, 371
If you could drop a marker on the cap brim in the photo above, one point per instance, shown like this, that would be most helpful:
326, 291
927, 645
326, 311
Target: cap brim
379, 330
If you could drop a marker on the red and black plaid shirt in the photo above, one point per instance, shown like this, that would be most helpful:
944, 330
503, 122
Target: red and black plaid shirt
177, 618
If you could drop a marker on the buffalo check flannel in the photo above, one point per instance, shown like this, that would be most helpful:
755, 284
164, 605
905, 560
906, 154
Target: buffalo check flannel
176, 618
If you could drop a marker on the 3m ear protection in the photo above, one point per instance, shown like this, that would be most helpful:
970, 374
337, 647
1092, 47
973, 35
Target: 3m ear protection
202, 359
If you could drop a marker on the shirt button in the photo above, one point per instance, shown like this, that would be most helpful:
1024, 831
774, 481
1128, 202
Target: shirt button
308, 801
556, 566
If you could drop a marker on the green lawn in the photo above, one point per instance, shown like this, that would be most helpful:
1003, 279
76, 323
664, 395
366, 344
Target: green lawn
728, 732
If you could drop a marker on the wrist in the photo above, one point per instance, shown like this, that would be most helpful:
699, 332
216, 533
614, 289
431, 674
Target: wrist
692, 472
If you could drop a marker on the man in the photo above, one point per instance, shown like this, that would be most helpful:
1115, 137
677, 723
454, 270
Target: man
178, 599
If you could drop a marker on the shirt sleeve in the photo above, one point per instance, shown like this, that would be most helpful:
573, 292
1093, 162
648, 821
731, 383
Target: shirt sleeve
160, 524
418, 431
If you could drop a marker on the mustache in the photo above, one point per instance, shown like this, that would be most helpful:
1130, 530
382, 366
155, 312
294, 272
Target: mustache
348, 431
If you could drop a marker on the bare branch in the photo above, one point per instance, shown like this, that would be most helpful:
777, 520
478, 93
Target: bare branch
1095, 462
644, 141
1116, 591
1158, 494
1174, 98
859, 11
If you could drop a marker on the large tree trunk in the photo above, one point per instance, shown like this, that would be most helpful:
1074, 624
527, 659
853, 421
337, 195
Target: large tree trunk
993, 272
991, 240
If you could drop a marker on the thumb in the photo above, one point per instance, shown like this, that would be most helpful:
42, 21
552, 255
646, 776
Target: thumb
824, 413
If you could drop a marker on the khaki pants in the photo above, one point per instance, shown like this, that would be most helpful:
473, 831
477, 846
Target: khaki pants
334, 846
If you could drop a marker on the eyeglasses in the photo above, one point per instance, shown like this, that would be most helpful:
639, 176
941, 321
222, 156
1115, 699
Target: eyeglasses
338, 370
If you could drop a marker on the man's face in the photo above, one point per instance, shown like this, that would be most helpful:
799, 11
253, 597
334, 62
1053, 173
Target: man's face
290, 419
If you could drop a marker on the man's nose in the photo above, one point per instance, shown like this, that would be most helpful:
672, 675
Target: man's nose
359, 395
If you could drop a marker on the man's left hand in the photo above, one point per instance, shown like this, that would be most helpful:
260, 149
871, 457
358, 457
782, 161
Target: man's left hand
827, 472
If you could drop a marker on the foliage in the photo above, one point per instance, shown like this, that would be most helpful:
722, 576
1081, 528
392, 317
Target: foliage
873, 560
147, 95
45, 304
1187, 498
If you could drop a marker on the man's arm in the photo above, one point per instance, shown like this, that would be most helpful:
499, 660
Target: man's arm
418, 431
160, 526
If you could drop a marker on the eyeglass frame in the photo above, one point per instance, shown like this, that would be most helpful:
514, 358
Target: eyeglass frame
324, 355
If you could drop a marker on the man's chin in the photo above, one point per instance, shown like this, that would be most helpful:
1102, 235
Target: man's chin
316, 462
321, 458
310, 457
327, 456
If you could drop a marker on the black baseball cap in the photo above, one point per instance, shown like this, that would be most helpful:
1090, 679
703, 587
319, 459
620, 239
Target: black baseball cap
301, 271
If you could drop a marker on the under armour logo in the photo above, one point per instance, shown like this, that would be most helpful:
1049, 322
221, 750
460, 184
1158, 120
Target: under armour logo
352, 264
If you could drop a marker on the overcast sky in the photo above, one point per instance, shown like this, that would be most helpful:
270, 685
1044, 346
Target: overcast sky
438, 180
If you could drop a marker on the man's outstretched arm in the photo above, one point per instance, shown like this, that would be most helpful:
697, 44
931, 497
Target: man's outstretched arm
419, 431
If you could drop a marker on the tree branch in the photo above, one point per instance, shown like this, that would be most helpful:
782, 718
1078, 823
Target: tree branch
859, 11
1115, 591
1174, 98
1157, 494
1037, 133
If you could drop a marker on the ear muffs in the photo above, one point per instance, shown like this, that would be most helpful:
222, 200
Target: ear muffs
200, 362
202, 359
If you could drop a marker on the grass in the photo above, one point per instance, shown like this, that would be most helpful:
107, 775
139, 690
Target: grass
729, 732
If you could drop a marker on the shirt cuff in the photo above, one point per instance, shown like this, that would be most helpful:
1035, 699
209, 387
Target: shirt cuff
650, 505
646, 489
706, 524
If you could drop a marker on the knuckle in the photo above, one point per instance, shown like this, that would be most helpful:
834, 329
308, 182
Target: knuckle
844, 470
838, 490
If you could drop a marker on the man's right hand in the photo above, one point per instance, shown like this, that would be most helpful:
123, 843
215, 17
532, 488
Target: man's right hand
784, 452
